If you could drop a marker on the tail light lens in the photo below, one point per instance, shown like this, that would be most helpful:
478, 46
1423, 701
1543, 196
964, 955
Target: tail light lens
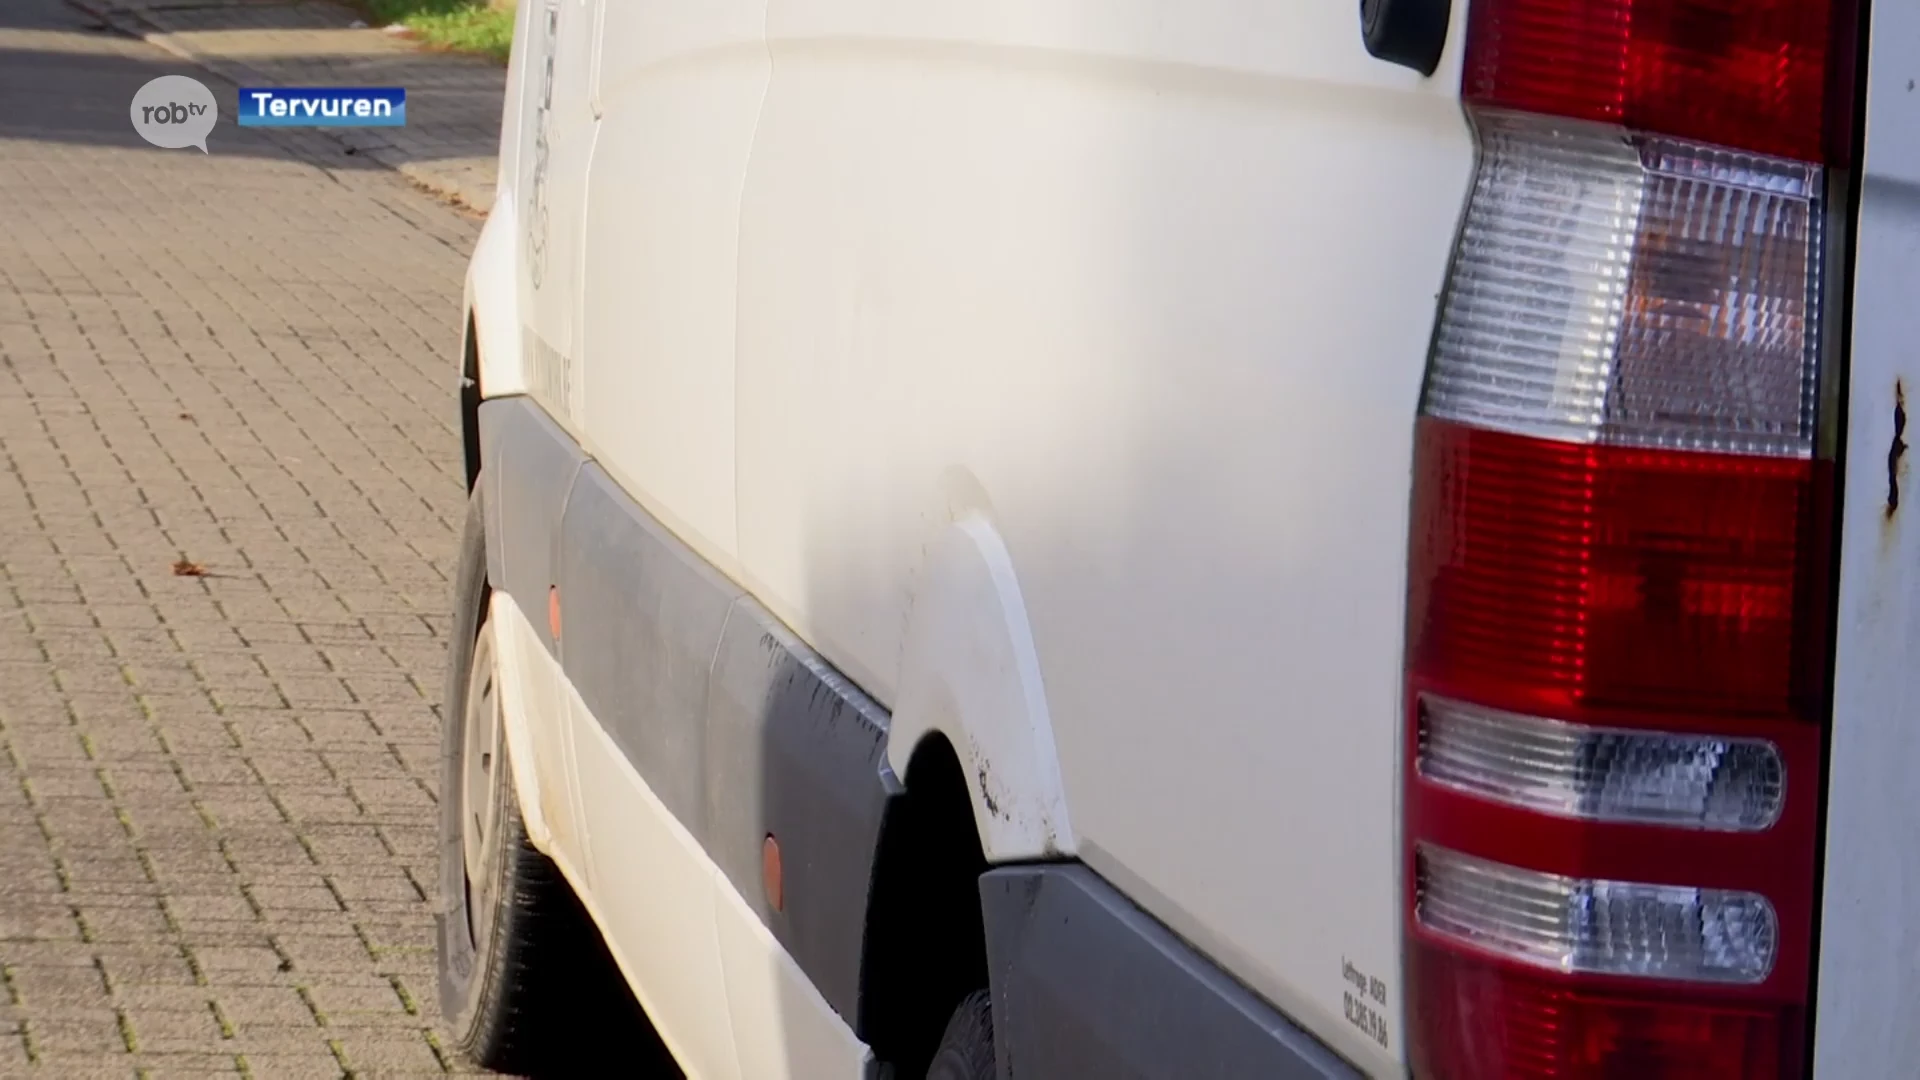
1487, 1019
1688, 780
1632, 291
1561, 575
1582, 926
1620, 552
1748, 73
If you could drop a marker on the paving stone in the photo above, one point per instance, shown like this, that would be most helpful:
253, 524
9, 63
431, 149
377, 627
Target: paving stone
216, 813
172, 1030
388, 1054
164, 1066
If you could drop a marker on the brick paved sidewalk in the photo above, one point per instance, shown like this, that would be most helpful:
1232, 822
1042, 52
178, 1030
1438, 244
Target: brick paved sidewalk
451, 140
217, 808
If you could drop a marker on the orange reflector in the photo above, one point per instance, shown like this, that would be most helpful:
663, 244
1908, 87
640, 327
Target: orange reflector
553, 611
770, 874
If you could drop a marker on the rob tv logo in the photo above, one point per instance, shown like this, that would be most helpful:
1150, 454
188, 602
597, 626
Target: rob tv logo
174, 111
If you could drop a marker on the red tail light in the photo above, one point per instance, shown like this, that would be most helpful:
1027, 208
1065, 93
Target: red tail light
1620, 553
1745, 73
1565, 576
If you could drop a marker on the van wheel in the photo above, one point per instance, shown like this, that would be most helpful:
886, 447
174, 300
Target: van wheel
966, 1050
526, 984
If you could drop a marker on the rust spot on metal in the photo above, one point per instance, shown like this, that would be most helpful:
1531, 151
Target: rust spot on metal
1898, 449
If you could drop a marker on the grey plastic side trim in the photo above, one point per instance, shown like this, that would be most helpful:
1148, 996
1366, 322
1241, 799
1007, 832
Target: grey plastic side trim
529, 465
640, 620
1087, 984
738, 727
797, 751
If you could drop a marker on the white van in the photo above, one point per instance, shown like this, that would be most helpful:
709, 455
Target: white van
1192, 539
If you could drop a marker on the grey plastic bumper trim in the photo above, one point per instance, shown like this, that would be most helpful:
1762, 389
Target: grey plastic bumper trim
1085, 984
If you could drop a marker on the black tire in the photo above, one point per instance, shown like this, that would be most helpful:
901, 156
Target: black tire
966, 1050
526, 983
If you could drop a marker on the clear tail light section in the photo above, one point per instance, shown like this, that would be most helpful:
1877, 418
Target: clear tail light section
1686, 780
1583, 926
1632, 291
1620, 559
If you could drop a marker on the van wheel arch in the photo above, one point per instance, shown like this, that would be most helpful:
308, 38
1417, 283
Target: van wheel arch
925, 949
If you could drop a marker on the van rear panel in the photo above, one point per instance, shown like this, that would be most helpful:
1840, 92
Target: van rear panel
1867, 1015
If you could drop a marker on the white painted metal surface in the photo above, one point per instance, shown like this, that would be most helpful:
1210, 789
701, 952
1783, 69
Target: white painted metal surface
782, 1028
529, 688
654, 900
969, 671
1134, 297
681, 88
1155, 282
1868, 1014
556, 129
493, 281
493, 301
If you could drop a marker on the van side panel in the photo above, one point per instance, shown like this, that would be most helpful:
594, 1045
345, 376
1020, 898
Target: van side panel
1156, 278
680, 86
1867, 1019
555, 129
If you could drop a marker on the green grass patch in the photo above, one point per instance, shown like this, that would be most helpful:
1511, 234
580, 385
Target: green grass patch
461, 25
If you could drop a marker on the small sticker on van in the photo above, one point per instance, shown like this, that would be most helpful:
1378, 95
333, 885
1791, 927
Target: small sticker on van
1364, 1002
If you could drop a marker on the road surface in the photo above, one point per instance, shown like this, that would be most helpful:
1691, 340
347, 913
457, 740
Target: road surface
217, 815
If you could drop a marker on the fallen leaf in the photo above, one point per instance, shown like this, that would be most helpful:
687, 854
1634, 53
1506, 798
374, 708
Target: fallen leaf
188, 568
